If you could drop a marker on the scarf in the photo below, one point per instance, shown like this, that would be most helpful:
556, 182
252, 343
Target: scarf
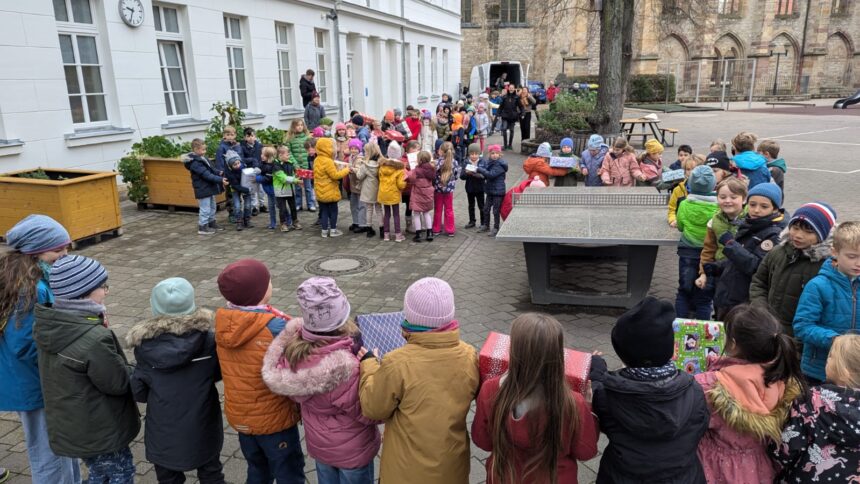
650, 374
83, 307
266, 308
414, 328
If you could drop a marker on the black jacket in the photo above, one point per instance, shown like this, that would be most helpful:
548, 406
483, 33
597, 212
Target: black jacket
510, 109
204, 177
235, 179
653, 427
177, 368
307, 89
474, 180
252, 155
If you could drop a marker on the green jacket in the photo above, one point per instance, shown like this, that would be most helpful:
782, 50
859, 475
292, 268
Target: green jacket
85, 380
297, 149
692, 217
284, 178
782, 275
721, 224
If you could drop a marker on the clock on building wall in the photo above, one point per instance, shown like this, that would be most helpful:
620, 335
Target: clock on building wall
131, 12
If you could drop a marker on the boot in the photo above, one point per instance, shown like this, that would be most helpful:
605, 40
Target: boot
263, 209
353, 227
429, 237
247, 223
254, 212
239, 226
470, 225
214, 226
398, 237
381, 231
417, 237
204, 230
370, 232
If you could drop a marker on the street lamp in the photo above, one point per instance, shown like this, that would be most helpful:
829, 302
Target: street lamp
776, 72
563, 59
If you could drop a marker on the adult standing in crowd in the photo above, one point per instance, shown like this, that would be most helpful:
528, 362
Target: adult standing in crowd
314, 112
501, 80
307, 87
529, 104
510, 110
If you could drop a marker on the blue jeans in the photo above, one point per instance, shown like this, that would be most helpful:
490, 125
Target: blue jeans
207, 210
242, 205
308, 189
273, 216
328, 215
111, 468
690, 301
327, 474
44, 465
274, 456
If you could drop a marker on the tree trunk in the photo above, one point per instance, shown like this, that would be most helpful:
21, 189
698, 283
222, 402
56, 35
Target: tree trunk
616, 53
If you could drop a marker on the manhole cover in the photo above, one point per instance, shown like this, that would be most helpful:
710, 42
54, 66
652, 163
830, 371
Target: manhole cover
339, 265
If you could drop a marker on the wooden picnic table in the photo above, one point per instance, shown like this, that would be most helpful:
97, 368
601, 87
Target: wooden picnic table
628, 126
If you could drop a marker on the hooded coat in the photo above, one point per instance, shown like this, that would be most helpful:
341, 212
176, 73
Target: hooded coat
205, 179
392, 181
89, 407
820, 442
536, 166
620, 171
592, 163
746, 415
326, 387
693, 216
494, 172
753, 166
368, 177
421, 179
326, 175
177, 367
653, 427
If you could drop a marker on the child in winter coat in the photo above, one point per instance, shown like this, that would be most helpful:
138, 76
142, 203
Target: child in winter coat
392, 181
680, 192
566, 151
653, 414
37, 242
266, 180
651, 163
356, 208
89, 408
251, 151
241, 193
411, 390
694, 213
776, 165
820, 442
749, 393
757, 235
482, 124
545, 425
457, 137
427, 136
830, 302
619, 167
493, 171
327, 176
228, 142
537, 165
413, 122
421, 201
443, 127
368, 176
207, 182
447, 172
313, 363
785, 270
474, 186
284, 181
412, 149
244, 329
508, 200
177, 368
751, 164
592, 160
296, 139
341, 142
684, 153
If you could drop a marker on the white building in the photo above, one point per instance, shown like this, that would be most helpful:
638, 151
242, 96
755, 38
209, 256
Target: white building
79, 84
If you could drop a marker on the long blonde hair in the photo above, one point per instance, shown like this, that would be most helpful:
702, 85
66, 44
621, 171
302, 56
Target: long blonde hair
292, 134
372, 151
447, 167
298, 350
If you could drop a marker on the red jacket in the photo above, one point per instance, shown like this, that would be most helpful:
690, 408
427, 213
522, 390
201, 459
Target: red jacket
581, 445
537, 166
508, 201
551, 91
414, 126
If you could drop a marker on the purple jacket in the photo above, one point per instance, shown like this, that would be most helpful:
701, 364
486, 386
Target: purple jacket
326, 386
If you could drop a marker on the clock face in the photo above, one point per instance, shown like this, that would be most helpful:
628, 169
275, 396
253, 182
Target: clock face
131, 12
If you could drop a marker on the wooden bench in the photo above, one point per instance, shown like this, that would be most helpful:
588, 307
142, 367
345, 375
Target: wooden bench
672, 131
805, 105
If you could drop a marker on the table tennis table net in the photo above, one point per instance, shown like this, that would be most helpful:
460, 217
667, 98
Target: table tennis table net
592, 199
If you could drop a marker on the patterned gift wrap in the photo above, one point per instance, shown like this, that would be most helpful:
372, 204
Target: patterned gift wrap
673, 175
562, 162
695, 341
381, 331
306, 174
493, 361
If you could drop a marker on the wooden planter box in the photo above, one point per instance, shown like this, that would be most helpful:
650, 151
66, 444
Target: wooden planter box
86, 204
169, 183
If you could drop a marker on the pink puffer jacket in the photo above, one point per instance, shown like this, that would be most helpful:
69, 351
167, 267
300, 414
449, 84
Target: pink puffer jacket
326, 386
421, 179
621, 171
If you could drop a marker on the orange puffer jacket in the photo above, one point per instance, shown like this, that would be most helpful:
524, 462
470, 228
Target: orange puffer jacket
242, 338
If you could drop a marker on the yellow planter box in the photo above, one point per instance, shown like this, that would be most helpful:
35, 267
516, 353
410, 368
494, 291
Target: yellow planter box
169, 183
86, 203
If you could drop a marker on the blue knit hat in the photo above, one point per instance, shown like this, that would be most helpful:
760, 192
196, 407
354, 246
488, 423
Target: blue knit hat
594, 142
567, 142
36, 234
819, 215
439, 143
702, 180
767, 190
75, 276
544, 150
172, 297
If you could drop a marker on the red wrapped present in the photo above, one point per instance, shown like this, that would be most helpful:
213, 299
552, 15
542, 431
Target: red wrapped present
394, 135
493, 361
305, 174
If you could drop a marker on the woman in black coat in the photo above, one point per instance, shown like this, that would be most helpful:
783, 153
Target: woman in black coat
510, 110
307, 88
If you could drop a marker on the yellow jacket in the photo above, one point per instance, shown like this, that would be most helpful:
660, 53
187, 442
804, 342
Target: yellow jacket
326, 174
392, 181
423, 392
679, 193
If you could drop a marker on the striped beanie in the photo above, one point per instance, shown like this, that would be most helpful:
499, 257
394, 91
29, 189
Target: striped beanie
819, 215
429, 302
75, 276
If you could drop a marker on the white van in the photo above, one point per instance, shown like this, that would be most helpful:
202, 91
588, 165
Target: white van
485, 75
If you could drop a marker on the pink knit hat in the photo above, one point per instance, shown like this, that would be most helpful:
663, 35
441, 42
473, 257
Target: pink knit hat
324, 306
318, 132
429, 302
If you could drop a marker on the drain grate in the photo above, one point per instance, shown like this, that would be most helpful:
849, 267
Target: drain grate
339, 265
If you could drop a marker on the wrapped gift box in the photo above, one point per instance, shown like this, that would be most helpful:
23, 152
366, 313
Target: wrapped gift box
562, 162
493, 361
307, 174
695, 341
673, 176
472, 168
381, 331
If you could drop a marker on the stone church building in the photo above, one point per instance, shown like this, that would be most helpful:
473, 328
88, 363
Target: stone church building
782, 47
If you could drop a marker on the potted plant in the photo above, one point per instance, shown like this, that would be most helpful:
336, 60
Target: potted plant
270, 136
567, 117
86, 202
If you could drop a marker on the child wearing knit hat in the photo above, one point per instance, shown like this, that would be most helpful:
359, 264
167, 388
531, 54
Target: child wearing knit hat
538, 165
474, 185
37, 241
566, 151
312, 362
89, 407
244, 329
423, 391
651, 162
592, 159
177, 368
785, 270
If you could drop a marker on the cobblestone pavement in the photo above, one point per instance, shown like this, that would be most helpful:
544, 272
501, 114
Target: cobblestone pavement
488, 276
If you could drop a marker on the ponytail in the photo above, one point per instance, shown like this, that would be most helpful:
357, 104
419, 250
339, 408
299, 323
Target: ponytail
786, 364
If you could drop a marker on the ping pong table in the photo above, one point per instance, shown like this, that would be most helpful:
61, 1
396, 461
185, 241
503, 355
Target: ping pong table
590, 222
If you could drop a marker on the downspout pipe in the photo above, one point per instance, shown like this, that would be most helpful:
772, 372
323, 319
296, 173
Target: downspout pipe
403, 66
333, 15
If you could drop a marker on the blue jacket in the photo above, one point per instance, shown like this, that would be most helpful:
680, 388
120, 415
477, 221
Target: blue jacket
19, 369
753, 166
494, 176
593, 164
363, 134
220, 161
205, 178
829, 306
252, 155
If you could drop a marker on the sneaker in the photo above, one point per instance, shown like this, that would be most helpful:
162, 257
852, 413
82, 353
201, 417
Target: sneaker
324, 234
493, 233
335, 233
204, 230
312, 209
285, 228
450, 235
381, 232
214, 226
272, 227
386, 237
437, 234
399, 238
4, 474
296, 226
263, 209
239, 227
484, 228
469, 225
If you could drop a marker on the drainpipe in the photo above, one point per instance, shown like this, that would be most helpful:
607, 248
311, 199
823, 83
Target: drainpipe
334, 18
403, 66
802, 47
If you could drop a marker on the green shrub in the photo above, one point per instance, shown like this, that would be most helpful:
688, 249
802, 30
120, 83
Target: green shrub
159, 147
567, 114
270, 135
34, 175
226, 113
650, 88
131, 170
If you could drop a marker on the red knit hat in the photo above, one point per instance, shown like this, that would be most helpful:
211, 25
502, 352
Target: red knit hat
244, 282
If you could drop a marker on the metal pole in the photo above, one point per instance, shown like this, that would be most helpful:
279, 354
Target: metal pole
334, 17
723, 91
752, 82
698, 79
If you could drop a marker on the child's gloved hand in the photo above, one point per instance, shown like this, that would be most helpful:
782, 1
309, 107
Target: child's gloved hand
726, 238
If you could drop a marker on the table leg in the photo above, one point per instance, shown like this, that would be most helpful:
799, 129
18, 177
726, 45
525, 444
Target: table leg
640, 270
654, 129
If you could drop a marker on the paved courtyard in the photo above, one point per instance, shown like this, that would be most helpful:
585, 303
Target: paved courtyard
488, 276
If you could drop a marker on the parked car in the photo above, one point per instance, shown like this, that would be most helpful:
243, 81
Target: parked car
537, 91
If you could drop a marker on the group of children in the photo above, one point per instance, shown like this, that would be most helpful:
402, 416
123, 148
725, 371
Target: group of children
751, 417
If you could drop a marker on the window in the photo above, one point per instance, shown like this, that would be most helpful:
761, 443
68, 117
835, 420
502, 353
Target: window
728, 7
81, 63
236, 62
420, 69
320, 41
513, 12
466, 11
444, 68
282, 39
840, 7
407, 61
434, 81
170, 58
785, 7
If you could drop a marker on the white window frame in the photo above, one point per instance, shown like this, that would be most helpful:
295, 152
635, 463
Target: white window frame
349, 75
75, 30
322, 68
420, 70
434, 70
164, 38
236, 44
444, 68
287, 94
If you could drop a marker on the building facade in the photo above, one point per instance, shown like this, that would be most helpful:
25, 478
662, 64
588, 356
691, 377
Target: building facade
84, 79
726, 43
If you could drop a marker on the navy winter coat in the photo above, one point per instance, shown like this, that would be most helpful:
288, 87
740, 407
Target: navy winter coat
252, 155
494, 176
474, 180
234, 176
204, 177
266, 178
221, 152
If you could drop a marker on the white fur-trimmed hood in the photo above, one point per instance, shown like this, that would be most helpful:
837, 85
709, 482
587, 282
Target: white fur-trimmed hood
200, 320
817, 252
